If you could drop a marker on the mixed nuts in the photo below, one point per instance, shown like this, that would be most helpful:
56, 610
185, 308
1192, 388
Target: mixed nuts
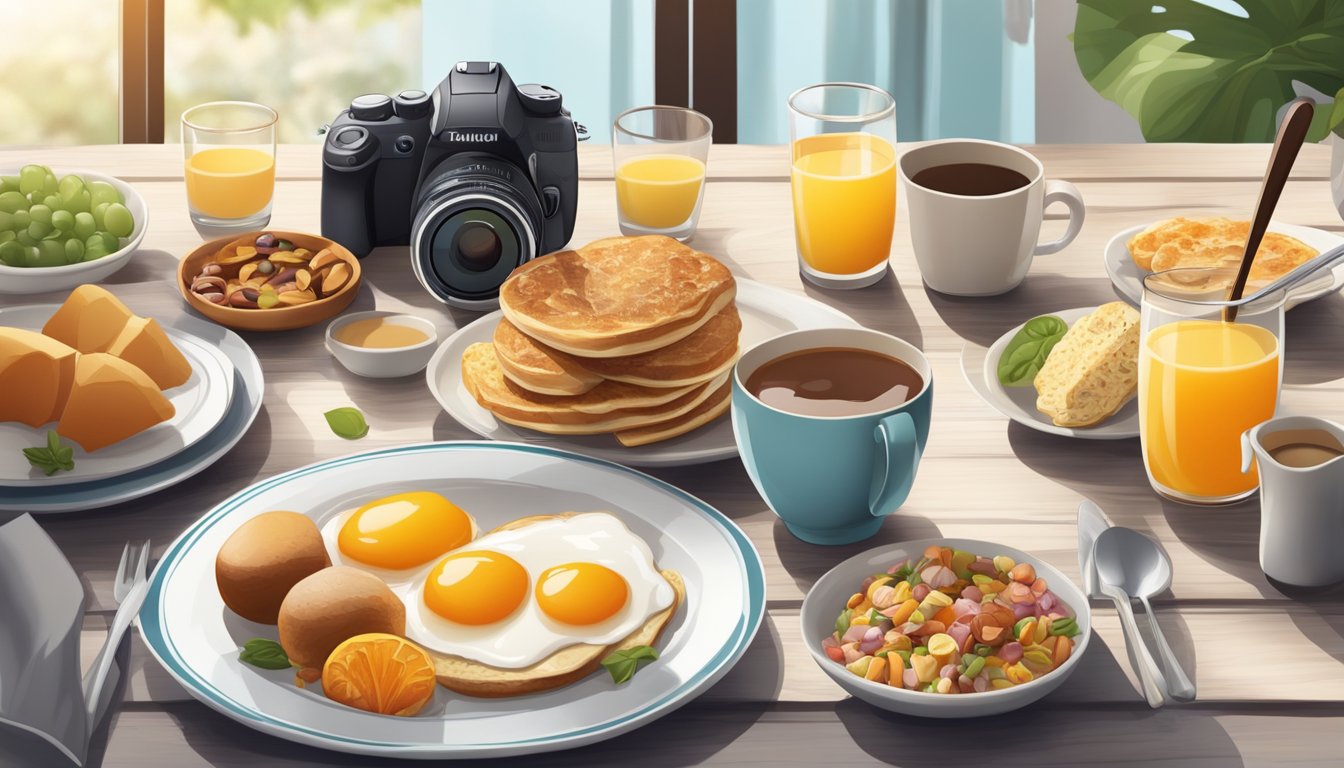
267, 272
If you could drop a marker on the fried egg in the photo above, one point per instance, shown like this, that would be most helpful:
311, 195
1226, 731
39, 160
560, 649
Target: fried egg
396, 536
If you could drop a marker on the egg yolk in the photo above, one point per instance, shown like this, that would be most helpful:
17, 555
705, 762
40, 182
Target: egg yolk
404, 530
476, 587
581, 593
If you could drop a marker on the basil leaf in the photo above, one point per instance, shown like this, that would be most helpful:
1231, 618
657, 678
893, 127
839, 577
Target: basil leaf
263, 653
347, 422
1027, 351
53, 441
623, 663
52, 458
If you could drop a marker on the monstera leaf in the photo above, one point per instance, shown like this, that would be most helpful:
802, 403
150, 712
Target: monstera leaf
1228, 83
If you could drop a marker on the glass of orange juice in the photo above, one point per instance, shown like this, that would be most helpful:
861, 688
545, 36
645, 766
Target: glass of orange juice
1203, 382
844, 182
660, 155
230, 166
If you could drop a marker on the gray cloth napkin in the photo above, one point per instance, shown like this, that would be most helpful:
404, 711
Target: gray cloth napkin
41, 615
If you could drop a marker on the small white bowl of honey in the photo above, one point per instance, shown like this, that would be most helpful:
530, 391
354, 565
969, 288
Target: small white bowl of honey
382, 345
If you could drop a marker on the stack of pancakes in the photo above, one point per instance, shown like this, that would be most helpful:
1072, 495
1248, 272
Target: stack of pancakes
631, 335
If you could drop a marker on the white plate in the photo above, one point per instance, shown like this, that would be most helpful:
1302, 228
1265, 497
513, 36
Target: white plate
1127, 277
248, 385
827, 598
200, 405
766, 312
186, 626
980, 367
22, 280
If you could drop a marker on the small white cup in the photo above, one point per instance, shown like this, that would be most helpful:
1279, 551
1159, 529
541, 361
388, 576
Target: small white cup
387, 363
982, 245
1301, 508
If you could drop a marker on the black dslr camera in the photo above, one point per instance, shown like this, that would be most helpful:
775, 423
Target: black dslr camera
477, 179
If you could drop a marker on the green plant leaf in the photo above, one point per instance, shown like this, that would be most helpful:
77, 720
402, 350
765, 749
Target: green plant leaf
1228, 83
623, 663
263, 653
1027, 351
53, 457
347, 422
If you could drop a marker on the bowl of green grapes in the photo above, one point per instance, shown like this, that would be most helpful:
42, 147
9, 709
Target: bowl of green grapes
60, 228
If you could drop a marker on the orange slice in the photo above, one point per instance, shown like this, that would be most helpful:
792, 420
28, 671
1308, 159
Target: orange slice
381, 673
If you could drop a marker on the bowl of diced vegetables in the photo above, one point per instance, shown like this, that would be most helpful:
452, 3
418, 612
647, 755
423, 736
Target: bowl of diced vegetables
62, 227
946, 627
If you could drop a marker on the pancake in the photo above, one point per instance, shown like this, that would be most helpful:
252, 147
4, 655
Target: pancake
485, 380
538, 368
618, 296
697, 417
700, 357
1216, 242
561, 668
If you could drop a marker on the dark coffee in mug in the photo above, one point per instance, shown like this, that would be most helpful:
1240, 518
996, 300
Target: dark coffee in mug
834, 381
1302, 448
970, 179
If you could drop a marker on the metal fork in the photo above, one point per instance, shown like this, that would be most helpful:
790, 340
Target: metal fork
130, 588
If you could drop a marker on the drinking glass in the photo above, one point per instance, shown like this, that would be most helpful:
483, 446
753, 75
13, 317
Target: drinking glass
844, 182
1203, 382
230, 166
660, 155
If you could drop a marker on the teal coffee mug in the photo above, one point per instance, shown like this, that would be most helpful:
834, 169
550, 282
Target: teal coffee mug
831, 479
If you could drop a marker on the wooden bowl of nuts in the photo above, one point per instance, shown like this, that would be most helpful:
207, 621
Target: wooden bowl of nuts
269, 281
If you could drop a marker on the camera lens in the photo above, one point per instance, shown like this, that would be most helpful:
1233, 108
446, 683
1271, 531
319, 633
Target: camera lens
477, 219
478, 246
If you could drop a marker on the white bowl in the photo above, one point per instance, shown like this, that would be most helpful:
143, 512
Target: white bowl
827, 598
24, 280
383, 363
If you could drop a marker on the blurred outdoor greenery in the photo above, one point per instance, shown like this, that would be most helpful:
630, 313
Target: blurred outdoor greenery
305, 58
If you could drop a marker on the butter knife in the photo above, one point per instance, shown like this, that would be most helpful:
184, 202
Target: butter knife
1091, 522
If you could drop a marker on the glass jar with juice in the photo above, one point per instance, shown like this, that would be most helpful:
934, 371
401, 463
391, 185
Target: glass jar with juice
843, 181
1203, 382
230, 166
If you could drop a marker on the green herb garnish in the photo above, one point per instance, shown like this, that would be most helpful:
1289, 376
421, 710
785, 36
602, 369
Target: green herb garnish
52, 458
1025, 354
622, 664
267, 654
347, 422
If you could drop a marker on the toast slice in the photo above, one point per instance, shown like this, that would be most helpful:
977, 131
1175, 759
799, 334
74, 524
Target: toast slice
1093, 370
565, 666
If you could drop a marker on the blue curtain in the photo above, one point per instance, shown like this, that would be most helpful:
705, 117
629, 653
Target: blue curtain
956, 67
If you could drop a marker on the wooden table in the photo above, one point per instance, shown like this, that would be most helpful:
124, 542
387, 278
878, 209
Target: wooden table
1270, 666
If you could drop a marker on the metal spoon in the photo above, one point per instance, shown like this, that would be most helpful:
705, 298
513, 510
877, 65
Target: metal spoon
1131, 564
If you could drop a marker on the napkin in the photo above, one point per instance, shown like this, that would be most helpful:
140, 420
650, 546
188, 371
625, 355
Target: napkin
41, 614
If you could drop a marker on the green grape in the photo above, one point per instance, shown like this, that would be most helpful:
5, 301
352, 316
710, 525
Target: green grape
104, 193
51, 253
52, 201
6, 236
111, 243
37, 230
84, 225
54, 234
98, 211
95, 248
9, 184
31, 178
63, 221
74, 251
50, 186
12, 201
40, 213
118, 219
80, 202
22, 219
6, 221
11, 253
24, 238
70, 186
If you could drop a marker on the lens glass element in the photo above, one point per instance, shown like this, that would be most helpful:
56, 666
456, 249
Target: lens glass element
473, 250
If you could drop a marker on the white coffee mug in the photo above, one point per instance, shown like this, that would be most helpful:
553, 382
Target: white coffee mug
982, 245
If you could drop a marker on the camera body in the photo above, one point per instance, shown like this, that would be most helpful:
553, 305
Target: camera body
478, 178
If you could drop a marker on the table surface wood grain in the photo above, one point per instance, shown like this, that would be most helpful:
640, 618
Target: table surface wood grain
1269, 663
